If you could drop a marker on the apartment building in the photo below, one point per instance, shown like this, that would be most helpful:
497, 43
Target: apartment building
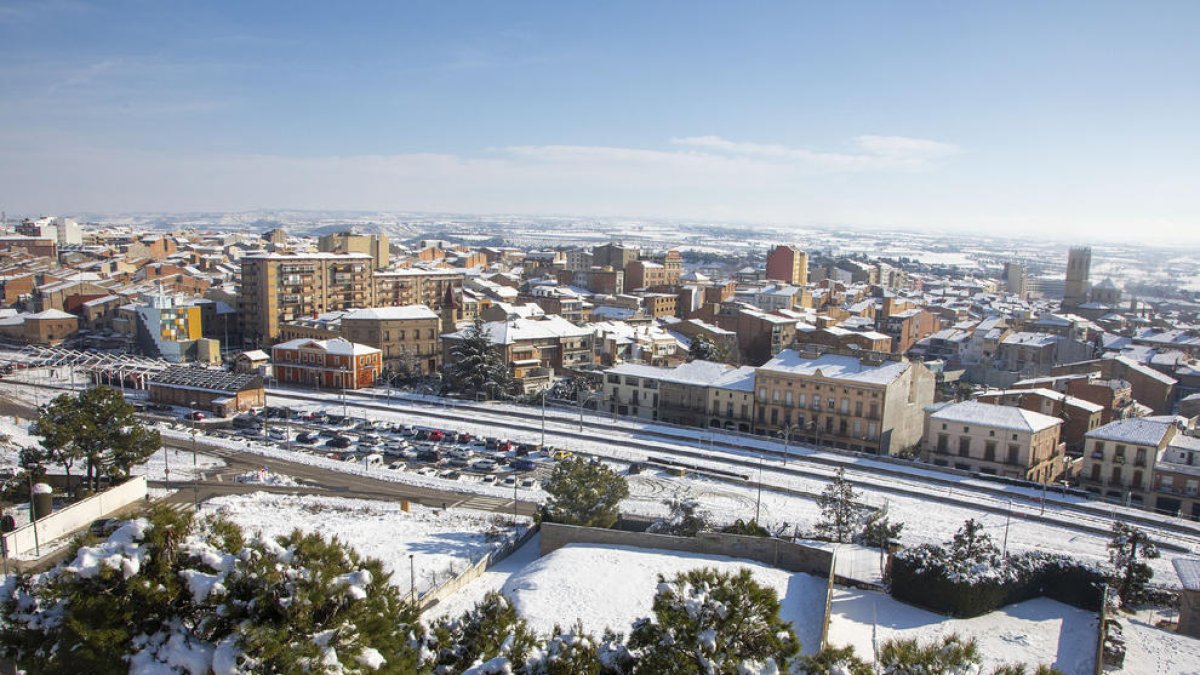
407, 336
993, 439
1079, 416
1176, 478
788, 264
862, 402
680, 395
279, 287
328, 364
535, 349
374, 245
416, 287
1119, 458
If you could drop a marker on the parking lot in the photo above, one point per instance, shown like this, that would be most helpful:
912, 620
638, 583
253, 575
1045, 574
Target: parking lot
432, 451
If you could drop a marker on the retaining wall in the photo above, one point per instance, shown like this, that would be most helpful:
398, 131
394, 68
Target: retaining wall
20, 541
435, 595
767, 550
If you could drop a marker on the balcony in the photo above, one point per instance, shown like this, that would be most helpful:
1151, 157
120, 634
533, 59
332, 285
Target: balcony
1139, 462
1097, 454
1119, 459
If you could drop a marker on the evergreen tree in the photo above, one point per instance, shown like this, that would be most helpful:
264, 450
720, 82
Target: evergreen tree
841, 514
951, 655
712, 622
1022, 669
491, 633
834, 661
1128, 550
584, 493
98, 427
972, 546
684, 520
164, 589
704, 349
878, 529
477, 366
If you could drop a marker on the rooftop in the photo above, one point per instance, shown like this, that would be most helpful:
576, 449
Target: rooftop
837, 367
396, 313
997, 416
1134, 430
206, 379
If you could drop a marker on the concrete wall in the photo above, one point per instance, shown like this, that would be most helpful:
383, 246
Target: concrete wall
436, 595
61, 523
774, 552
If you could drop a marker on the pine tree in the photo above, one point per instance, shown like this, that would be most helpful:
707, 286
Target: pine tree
972, 546
841, 514
685, 519
878, 529
490, 633
164, 585
704, 349
1128, 550
584, 493
477, 366
712, 622
98, 427
833, 661
951, 655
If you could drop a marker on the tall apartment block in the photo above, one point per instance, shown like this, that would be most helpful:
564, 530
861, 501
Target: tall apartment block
374, 245
788, 264
279, 287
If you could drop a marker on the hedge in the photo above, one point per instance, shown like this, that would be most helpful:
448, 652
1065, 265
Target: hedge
925, 576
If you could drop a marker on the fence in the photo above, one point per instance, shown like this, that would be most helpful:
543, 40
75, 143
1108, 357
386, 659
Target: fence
435, 595
61, 523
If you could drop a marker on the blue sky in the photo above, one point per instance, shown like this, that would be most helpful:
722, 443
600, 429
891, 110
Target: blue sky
1051, 118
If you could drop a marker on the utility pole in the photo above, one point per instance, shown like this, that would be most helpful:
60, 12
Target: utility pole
33, 516
412, 582
1007, 520
195, 464
758, 499
543, 418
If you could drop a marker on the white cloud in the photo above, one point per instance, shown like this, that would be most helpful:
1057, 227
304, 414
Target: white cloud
873, 153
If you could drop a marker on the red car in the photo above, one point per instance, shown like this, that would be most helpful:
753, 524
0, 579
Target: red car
436, 435
195, 415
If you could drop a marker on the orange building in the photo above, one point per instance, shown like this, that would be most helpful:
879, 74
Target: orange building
332, 364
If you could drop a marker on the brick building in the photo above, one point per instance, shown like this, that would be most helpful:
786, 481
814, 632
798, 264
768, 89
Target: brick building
326, 364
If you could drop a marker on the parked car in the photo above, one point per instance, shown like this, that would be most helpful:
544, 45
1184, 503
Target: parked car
408, 430
421, 434
490, 478
460, 453
339, 442
485, 465
491, 442
252, 432
464, 437
458, 462
367, 425
195, 416
307, 437
505, 445
370, 439
429, 456
397, 466
277, 434
528, 483
437, 436
635, 468
510, 481
450, 475
522, 465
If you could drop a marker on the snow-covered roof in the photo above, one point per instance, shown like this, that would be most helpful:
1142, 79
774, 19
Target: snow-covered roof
340, 346
256, 355
837, 367
51, 314
738, 379
307, 256
515, 330
1087, 406
400, 312
997, 416
1031, 339
1135, 431
1188, 570
699, 373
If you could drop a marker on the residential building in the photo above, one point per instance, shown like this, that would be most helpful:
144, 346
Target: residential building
326, 364
788, 264
1119, 458
279, 287
416, 286
1177, 478
1000, 440
374, 245
535, 349
731, 400
852, 401
49, 327
1079, 416
408, 336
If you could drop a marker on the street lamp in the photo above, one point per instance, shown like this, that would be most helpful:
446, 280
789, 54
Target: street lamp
787, 439
597, 396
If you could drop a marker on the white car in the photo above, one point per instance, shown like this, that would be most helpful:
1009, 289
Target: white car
485, 465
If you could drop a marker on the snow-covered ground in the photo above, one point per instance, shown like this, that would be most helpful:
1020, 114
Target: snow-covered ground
491, 580
612, 586
264, 477
1153, 651
442, 543
1039, 631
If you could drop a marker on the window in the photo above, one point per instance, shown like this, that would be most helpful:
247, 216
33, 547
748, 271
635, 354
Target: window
801, 400
964, 446
1120, 451
631, 381
1014, 451
943, 443
943, 426
989, 451
611, 379
966, 430
787, 397
858, 408
816, 402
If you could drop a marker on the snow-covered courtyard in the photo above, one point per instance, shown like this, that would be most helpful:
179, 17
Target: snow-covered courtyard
441, 543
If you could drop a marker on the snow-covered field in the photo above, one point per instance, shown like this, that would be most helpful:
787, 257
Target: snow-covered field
264, 477
442, 543
612, 586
